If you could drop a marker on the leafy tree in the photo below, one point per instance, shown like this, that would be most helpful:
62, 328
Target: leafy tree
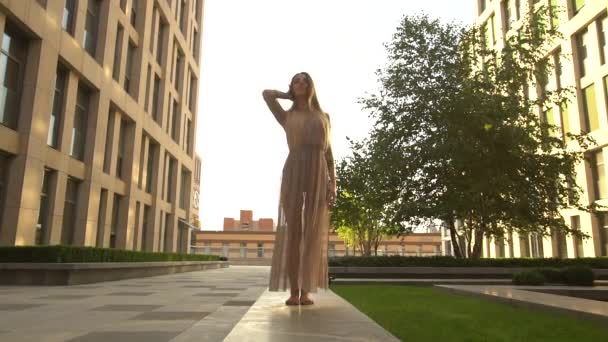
458, 135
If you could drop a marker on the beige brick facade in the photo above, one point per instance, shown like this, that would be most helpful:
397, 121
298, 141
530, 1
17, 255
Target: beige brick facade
97, 138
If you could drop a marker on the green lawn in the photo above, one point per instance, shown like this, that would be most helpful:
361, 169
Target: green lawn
414, 313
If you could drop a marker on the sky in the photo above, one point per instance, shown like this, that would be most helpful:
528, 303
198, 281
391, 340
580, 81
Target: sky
249, 46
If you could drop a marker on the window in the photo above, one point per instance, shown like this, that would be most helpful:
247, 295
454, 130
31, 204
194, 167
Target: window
175, 119
156, 99
192, 95
602, 33
69, 211
500, 247
170, 171
177, 79
189, 141
260, 249
518, 9
69, 10
603, 221
147, 103
577, 5
167, 241
225, 249
91, 26
42, 227
184, 189
152, 151
145, 229
183, 20
561, 244
482, 6
243, 250
154, 16
57, 111
123, 5
494, 28
133, 17
79, 130
565, 119
590, 109
549, 119
554, 12
4, 164
162, 27
575, 223
129, 72
109, 141
117, 54
581, 48
195, 44
506, 11
598, 172
120, 158
115, 219
101, 217
12, 68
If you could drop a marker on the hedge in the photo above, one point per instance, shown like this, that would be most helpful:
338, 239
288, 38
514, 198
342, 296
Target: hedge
447, 261
578, 275
59, 254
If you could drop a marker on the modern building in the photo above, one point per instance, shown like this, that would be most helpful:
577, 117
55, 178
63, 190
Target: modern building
246, 241
97, 122
584, 25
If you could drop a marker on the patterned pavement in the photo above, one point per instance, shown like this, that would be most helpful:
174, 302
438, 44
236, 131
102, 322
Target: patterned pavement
193, 306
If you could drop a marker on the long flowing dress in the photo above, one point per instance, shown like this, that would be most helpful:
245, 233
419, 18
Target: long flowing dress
299, 259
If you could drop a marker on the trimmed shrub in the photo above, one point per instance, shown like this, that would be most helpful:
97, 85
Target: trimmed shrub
578, 276
60, 254
552, 275
448, 261
533, 277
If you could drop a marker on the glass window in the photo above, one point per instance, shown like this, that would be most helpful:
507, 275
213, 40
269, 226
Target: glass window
192, 95
159, 41
598, 172
133, 17
101, 217
91, 26
150, 167
43, 214
602, 33
57, 111
603, 220
183, 20
260, 249
185, 189
581, 48
156, 99
12, 69
115, 219
117, 59
69, 10
590, 109
506, 14
175, 121
524, 245
79, 130
145, 229
69, 211
577, 5
129, 72
120, 158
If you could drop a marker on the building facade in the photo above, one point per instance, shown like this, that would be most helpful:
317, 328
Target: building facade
246, 241
584, 25
97, 122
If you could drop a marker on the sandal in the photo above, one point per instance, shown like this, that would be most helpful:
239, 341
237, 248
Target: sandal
292, 301
306, 301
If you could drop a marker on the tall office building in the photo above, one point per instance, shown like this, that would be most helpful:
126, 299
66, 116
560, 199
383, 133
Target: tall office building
584, 25
97, 119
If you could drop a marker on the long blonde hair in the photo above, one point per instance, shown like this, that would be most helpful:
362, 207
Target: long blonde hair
312, 93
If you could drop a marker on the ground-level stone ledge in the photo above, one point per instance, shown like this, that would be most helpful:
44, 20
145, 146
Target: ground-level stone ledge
84, 273
434, 272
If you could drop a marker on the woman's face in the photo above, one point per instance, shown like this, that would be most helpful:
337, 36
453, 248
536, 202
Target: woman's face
299, 85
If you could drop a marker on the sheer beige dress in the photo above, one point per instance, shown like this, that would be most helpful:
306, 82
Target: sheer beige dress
300, 250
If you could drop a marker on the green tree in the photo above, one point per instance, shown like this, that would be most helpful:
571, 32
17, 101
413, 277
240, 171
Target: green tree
459, 137
361, 214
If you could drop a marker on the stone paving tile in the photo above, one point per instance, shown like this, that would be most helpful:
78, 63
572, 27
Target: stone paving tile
141, 336
126, 307
212, 301
17, 307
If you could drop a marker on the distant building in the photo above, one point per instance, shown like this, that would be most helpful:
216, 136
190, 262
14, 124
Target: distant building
246, 241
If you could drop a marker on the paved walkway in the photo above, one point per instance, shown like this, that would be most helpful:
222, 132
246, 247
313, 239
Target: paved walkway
194, 306
330, 319
530, 297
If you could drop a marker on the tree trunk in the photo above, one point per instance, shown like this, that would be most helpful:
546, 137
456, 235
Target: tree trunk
478, 243
454, 237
